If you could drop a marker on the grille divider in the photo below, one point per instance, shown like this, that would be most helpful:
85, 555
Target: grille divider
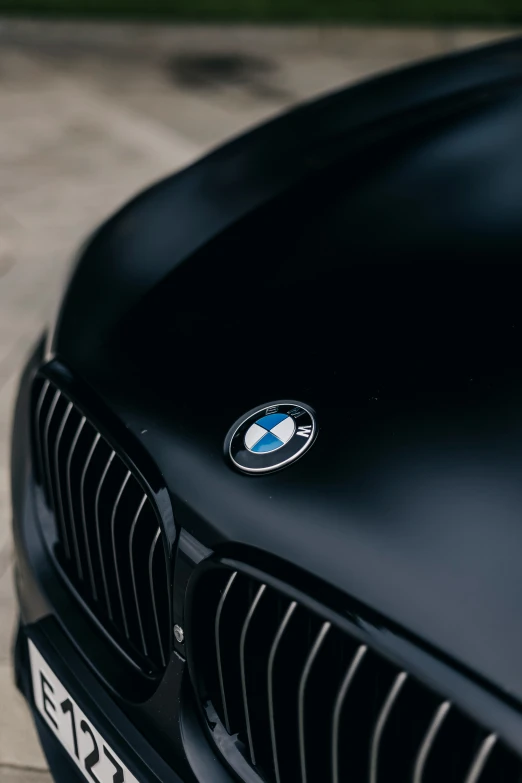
217, 623
381, 723
302, 693
98, 531
82, 502
114, 550
481, 759
47, 426
270, 676
338, 707
38, 429
133, 575
61, 513
428, 741
69, 487
242, 641
153, 594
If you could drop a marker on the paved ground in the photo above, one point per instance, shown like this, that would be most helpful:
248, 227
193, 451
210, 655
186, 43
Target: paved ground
88, 115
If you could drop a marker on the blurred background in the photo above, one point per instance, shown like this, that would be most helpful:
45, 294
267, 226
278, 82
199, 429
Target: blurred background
98, 98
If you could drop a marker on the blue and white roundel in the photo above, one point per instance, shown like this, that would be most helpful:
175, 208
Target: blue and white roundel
269, 438
269, 433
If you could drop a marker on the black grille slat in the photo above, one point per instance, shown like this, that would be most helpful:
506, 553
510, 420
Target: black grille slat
274, 717
427, 743
217, 639
40, 398
338, 709
83, 501
381, 723
152, 589
500, 764
403, 737
89, 480
142, 638
303, 700
59, 496
115, 550
481, 759
155, 610
109, 540
451, 761
47, 448
73, 466
142, 537
305, 675
102, 507
242, 661
234, 603
65, 484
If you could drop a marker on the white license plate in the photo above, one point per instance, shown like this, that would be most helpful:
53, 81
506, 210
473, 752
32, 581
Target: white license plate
79, 737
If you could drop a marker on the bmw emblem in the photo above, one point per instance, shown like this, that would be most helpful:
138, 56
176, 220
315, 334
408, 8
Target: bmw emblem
272, 437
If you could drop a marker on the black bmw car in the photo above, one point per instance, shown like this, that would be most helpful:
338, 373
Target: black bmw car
267, 463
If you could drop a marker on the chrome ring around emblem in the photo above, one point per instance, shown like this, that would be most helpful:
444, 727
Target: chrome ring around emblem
271, 437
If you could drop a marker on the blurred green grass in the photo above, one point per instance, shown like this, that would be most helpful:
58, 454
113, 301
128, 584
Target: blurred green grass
410, 11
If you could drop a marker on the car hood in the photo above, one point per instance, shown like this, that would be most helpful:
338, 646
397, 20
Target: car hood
360, 254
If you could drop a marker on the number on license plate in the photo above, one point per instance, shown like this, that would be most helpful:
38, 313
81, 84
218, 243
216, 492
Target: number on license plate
76, 733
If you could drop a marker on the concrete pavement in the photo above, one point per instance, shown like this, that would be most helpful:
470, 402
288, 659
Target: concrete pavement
89, 114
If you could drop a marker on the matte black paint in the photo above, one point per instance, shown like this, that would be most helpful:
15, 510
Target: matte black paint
382, 228
393, 247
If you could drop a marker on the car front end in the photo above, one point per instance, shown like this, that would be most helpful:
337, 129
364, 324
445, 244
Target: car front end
265, 464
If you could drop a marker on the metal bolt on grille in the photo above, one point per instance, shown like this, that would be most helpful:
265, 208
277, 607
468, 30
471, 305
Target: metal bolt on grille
305, 702
109, 540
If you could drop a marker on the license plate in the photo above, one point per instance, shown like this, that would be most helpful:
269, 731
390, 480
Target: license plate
73, 729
